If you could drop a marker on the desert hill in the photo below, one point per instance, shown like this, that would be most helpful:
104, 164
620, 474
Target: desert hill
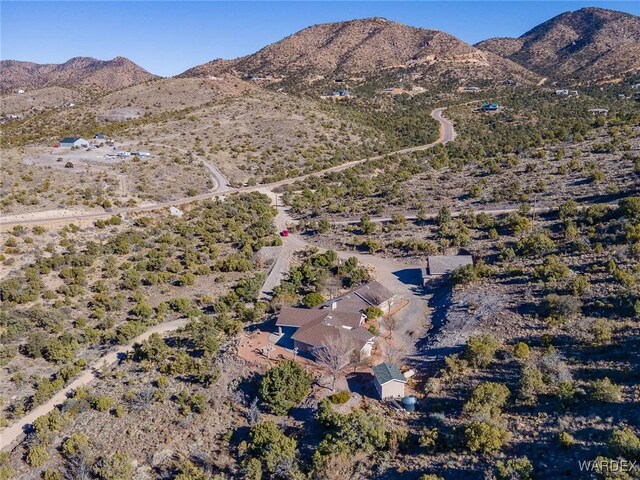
588, 44
366, 46
76, 72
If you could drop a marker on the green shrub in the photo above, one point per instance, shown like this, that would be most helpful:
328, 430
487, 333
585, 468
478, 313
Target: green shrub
485, 437
37, 456
552, 269
514, 469
429, 438
116, 467
312, 300
521, 351
605, 391
559, 308
535, 244
481, 349
101, 403
624, 442
76, 443
566, 440
531, 385
373, 312
285, 386
271, 446
50, 475
487, 400
252, 469
6, 472
340, 398
471, 273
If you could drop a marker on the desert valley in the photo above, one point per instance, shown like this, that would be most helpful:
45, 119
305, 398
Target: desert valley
366, 251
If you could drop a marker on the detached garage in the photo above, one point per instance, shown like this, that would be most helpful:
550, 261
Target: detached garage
70, 142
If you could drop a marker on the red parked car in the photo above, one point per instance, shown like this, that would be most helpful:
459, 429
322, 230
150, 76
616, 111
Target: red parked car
284, 233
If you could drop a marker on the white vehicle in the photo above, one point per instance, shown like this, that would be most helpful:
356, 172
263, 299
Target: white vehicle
124, 154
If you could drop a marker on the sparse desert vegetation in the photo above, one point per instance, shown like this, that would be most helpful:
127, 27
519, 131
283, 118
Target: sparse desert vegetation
149, 301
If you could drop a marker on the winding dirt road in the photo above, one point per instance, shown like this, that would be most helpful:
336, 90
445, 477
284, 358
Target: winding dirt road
13, 432
447, 134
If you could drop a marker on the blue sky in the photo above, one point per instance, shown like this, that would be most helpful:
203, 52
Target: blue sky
167, 37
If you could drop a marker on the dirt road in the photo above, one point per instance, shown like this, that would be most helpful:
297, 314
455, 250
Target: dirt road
220, 181
15, 430
447, 134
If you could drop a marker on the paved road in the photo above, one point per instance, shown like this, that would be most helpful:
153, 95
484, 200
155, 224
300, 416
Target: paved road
16, 430
447, 134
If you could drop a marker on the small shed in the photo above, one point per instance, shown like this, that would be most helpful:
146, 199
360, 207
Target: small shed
73, 142
388, 380
443, 264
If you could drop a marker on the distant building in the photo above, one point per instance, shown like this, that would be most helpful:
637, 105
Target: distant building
100, 136
73, 142
562, 92
20, 92
599, 111
471, 89
142, 154
341, 93
489, 107
389, 381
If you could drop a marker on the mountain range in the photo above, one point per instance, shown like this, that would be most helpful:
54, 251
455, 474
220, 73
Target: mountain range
76, 72
586, 45
365, 46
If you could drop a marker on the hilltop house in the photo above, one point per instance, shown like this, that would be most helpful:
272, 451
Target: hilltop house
489, 107
312, 328
73, 142
388, 380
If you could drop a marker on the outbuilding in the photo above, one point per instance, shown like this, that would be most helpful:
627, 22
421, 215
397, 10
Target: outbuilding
388, 380
437, 265
70, 142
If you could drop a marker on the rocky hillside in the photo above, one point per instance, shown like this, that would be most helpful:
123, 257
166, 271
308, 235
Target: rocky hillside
79, 71
366, 46
588, 44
